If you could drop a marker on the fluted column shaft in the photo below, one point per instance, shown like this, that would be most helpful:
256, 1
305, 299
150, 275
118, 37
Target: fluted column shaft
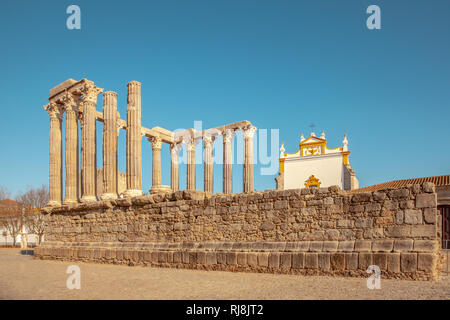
208, 174
248, 158
88, 143
134, 135
71, 152
156, 168
227, 161
190, 150
110, 135
55, 155
174, 180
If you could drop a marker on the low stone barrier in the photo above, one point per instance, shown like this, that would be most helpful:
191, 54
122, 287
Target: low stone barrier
305, 231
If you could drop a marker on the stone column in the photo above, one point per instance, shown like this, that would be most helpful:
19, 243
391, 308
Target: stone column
227, 136
156, 169
174, 180
88, 142
190, 151
134, 135
55, 156
71, 152
248, 133
208, 174
110, 136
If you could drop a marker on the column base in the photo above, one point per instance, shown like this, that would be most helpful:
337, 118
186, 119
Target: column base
160, 189
53, 203
70, 201
88, 199
108, 196
132, 193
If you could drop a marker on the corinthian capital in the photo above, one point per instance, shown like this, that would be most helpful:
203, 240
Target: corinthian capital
249, 132
54, 110
69, 102
227, 135
208, 140
90, 92
156, 142
174, 149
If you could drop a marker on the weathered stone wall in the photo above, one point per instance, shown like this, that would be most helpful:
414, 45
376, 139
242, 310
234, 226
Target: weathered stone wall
304, 231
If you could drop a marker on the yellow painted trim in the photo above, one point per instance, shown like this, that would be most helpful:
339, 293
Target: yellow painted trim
281, 164
311, 137
345, 155
314, 144
312, 181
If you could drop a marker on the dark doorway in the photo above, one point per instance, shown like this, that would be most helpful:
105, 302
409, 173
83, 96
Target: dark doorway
445, 214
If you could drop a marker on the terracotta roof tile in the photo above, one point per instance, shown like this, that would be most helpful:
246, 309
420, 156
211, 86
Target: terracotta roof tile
437, 180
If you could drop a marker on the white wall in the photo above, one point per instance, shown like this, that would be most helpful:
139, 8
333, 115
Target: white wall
327, 168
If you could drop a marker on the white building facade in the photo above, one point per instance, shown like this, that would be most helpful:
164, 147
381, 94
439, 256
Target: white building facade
315, 165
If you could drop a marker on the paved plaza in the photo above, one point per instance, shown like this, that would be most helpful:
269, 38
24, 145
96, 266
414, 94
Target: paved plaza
22, 277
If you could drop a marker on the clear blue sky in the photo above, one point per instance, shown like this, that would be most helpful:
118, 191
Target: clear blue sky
279, 64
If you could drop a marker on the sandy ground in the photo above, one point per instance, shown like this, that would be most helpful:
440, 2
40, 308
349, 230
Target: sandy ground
21, 277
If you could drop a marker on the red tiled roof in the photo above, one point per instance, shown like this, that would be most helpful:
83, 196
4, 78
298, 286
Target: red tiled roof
437, 180
9, 203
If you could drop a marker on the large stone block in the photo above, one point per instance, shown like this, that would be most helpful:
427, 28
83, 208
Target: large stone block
330, 246
201, 257
413, 216
426, 200
430, 215
285, 261
274, 260
177, 257
425, 245
221, 257
263, 259
315, 246
231, 258
408, 262
364, 260
298, 260
426, 231
363, 245
393, 262
403, 245
297, 246
346, 246
426, 262
380, 260
338, 261
324, 261
311, 260
252, 259
397, 231
382, 245
351, 261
